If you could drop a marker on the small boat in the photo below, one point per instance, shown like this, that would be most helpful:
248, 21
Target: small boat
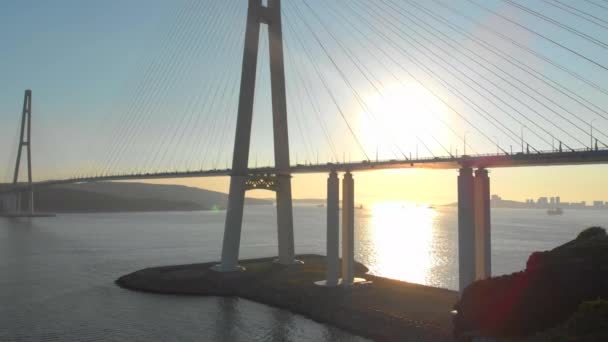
555, 211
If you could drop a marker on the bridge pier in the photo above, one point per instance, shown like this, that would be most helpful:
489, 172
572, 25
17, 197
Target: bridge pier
285, 221
333, 231
483, 248
466, 228
348, 229
333, 228
18, 202
474, 244
8, 203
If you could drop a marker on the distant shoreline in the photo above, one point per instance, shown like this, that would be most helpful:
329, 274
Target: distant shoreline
118, 197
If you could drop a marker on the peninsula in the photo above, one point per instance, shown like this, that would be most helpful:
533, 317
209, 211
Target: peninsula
382, 309
129, 196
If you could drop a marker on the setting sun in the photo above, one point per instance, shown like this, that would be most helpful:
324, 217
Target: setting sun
407, 112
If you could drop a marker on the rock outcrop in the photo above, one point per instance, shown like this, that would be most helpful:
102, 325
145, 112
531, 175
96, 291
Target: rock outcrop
542, 296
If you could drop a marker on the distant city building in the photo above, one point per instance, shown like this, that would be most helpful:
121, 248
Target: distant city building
546, 202
495, 201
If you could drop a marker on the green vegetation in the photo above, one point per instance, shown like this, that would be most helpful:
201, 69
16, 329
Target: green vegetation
591, 232
588, 323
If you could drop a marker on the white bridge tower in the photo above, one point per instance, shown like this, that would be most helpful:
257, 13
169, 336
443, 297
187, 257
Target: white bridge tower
240, 179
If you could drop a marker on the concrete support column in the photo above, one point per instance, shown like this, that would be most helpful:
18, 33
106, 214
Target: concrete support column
272, 16
31, 195
9, 202
348, 229
483, 247
4, 203
333, 228
285, 221
466, 228
232, 229
240, 156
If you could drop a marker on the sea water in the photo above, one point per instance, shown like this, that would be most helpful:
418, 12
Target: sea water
57, 274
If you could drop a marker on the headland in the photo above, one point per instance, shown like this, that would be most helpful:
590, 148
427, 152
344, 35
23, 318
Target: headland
382, 309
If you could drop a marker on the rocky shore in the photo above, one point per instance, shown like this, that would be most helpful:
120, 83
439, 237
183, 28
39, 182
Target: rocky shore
541, 297
382, 309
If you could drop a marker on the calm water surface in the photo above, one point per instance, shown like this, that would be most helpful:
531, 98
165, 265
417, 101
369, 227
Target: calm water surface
56, 274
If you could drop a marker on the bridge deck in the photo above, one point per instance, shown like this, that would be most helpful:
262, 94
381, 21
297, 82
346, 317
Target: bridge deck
579, 157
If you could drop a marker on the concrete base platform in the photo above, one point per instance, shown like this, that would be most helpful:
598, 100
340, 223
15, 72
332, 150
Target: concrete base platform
381, 309
218, 268
294, 262
356, 282
26, 214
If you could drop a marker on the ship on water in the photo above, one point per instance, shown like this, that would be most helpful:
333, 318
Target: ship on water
555, 211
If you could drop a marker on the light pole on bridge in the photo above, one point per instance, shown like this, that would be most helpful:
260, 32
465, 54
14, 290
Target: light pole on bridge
591, 133
464, 143
522, 138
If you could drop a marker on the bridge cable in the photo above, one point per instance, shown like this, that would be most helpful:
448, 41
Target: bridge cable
578, 13
370, 50
536, 33
596, 4
557, 23
327, 88
157, 84
400, 65
507, 81
459, 79
448, 87
205, 145
145, 83
311, 99
118, 121
160, 104
194, 100
170, 130
333, 62
512, 60
517, 44
222, 88
299, 112
187, 47
494, 84
357, 62
221, 138
209, 47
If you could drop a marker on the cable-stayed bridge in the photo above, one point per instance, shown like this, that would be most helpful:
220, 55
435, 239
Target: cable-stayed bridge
391, 84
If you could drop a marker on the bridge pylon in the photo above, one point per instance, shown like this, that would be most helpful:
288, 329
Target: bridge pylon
257, 15
25, 141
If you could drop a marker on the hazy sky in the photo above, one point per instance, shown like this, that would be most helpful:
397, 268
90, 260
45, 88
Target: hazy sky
131, 85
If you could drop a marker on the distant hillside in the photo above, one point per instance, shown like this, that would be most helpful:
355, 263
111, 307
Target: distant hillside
119, 196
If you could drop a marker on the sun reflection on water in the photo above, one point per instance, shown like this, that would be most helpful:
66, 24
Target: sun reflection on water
401, 235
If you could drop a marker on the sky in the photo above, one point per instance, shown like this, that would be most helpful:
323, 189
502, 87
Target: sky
133, 85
